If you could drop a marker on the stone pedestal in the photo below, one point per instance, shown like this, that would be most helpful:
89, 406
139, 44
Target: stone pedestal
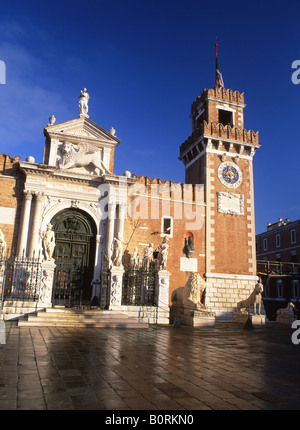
194, 317
241, 318
2, 333
45, 296
162, 296
115, 289
286, 320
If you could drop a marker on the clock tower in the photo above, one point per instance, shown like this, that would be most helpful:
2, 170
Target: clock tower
219, 154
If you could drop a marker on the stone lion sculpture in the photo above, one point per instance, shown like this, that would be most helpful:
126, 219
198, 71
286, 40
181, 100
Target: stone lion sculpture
254, 300
189, 296
79, 157
287, 313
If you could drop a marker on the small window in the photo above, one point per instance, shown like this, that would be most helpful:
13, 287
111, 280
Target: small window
277, 240
296, 289
265, 244
167, 226
279, 288
293, 236
267, 290
225, 117
294, 258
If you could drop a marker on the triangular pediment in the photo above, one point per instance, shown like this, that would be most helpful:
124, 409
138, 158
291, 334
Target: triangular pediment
81, 129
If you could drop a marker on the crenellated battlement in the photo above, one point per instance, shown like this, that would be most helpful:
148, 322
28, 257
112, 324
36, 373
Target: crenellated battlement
170, 189
223, 94
8, 164
222, 132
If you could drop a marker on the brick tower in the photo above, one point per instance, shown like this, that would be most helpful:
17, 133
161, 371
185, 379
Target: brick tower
219, 154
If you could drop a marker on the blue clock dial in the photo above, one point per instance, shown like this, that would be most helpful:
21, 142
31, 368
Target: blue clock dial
230, 174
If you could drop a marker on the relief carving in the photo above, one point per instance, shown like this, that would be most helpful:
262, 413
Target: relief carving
79, 156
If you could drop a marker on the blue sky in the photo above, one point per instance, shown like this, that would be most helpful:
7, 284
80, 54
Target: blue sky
143, 66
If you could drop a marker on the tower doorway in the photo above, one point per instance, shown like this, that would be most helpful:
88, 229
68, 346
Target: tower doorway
74, 254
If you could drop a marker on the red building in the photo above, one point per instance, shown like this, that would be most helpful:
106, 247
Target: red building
278, 255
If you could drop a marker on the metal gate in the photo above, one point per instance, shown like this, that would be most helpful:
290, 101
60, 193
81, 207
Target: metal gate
68, 283
20, 278
139, 286
104, 281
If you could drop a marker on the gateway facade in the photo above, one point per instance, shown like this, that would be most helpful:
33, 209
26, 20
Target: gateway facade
127, 242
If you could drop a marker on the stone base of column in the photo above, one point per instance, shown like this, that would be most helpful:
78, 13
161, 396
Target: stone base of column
46, 287
115, 290
162, 296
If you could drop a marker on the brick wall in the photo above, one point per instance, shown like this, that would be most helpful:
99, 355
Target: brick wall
11, 192
177, 201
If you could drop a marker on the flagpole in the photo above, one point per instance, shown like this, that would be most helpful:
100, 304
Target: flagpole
216, 46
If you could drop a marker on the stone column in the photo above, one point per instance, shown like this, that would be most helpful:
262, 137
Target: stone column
162, 296
36, 221
122, 208
110, 227
97, 270
45, 296
24, 224
116, 282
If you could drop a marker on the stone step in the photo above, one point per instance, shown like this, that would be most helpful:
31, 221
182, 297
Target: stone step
81, 318
103, 324
78, 315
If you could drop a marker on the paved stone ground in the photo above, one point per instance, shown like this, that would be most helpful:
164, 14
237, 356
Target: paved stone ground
160, 368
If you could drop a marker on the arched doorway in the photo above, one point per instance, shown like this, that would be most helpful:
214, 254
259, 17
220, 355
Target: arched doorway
74, 254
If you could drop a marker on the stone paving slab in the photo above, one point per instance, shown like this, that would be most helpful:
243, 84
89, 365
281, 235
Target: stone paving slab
162, 368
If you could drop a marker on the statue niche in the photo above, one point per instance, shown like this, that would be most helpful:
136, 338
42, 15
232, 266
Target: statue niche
79, 155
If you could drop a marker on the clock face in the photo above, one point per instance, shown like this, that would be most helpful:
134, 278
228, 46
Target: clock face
230, 174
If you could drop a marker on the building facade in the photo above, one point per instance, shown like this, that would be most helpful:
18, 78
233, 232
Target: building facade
278, 255
124, 241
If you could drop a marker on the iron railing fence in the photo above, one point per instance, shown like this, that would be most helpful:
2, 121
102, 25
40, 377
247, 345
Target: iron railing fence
139, 286
20, 278
277, 268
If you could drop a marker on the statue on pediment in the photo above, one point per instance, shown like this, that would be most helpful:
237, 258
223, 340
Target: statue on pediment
163, 249
83, 102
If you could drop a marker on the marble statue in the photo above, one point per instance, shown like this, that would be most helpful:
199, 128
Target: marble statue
117, 250
254, 300
2, 245
148, 256
190, 295
48, 238
83, 102
163, 253
134, 259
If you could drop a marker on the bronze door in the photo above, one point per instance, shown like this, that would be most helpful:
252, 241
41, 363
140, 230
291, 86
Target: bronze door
74, 256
